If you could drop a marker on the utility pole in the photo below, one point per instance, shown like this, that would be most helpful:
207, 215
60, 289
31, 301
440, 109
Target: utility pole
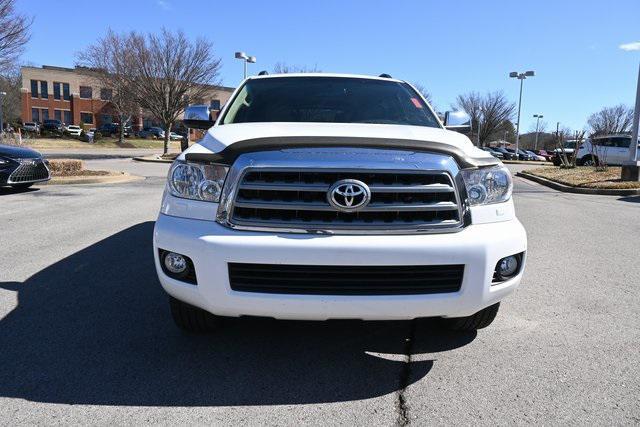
538, 117
631, 168
521, 77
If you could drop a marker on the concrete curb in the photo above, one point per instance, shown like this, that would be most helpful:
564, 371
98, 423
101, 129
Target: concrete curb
522, 162
104, 179
152, 159
580, 190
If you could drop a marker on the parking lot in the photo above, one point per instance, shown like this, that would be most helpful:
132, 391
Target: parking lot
86, 336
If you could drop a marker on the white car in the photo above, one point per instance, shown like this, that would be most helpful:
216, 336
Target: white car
31, 127
175, 136
608, 149
73, 130
328, 196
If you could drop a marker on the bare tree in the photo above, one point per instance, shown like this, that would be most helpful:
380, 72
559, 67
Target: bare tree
110, 62
488, 113
169, 70
424, 92
14, 34
10, 83
616, 119
284, 68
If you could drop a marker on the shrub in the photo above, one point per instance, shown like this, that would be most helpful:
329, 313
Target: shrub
97, 136
65, 166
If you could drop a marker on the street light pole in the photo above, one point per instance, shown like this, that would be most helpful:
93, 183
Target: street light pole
538, 117
2, 95
521, 77
631, 168
246, 58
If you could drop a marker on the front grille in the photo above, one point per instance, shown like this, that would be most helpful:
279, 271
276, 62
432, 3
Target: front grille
345, 280
298, 199
29, 171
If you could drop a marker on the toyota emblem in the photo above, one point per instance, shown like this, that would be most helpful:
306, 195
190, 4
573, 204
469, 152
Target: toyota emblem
349, 195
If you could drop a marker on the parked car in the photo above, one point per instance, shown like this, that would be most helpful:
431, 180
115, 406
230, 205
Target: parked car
173, 136
547, 156
113, 129
609, 149
151, 132
52, 126
535, 156
493, 152
31, 127
508, 155
21, 167
73, 130
568, 149
371, 215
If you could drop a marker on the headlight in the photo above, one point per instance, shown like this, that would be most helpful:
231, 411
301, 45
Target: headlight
488, 185
197, 181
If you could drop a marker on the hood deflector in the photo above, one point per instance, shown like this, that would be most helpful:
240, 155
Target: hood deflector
230, 153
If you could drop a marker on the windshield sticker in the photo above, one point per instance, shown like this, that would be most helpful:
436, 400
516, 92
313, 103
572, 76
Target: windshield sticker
416, 103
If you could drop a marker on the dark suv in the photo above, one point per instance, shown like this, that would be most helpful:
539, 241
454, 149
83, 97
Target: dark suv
113, 129
52, 126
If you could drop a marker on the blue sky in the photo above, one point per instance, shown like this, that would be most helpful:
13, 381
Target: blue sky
449, 47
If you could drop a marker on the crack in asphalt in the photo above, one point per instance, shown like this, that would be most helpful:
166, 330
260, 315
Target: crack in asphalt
401, 402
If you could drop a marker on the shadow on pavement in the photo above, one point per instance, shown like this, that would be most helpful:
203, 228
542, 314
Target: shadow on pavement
95, 328
12, 190
631, 199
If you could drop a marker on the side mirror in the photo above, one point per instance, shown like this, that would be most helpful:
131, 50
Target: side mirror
457, 120
199, 117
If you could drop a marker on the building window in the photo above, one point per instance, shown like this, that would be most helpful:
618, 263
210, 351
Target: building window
44, 113
214, 104
106, 94
106, 119
35, 114
65, 92
86, 92
57, 114
56, 90
67, 117
86, 117
34, 88
44, 90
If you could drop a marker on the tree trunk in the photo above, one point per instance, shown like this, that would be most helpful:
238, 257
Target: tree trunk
167, 133
121, 131
184, 142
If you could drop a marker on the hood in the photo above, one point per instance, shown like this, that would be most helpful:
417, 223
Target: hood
14, 152
227, 141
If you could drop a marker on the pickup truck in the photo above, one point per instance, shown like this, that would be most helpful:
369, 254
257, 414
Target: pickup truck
330, 196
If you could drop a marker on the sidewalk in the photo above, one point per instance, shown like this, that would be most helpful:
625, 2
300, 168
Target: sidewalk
93, 153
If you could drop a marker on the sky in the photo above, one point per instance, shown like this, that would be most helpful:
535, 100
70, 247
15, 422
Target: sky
585, 53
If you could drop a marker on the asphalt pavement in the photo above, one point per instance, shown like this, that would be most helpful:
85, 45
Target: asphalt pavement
86, 336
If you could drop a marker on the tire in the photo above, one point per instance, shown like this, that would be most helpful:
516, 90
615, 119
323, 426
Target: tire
588, 161
480, 320
192, 319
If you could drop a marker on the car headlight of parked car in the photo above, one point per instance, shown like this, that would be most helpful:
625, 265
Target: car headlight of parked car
197, 181
488, 185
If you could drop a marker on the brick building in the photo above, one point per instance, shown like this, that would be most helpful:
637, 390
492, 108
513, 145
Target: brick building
73, 97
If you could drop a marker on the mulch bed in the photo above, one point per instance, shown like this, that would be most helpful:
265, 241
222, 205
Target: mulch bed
586, 177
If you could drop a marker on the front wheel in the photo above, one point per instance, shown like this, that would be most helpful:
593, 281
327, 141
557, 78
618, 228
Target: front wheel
588, 161
480, 320
192, 319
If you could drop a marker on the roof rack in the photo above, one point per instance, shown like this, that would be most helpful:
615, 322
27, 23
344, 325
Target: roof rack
263, 73
385, 76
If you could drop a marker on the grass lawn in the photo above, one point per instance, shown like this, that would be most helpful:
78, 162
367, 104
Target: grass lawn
585, 176
52, 143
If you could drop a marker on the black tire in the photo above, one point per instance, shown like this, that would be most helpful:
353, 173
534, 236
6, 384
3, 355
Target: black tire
192, 319
588, 161
480, 320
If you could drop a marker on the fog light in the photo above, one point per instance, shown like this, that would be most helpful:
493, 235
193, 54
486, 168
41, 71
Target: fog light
508, 266
175, 263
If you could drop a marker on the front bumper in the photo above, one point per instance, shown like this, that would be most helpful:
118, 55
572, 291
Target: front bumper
211, 246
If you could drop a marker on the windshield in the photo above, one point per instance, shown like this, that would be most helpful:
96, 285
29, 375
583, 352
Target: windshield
329, 100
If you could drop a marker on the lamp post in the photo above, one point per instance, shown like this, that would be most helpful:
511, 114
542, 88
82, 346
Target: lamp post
631, 168
521, 77
245, 58
537, 117
2, 95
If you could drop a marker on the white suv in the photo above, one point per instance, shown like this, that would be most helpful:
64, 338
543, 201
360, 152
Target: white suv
606, 149
325, 196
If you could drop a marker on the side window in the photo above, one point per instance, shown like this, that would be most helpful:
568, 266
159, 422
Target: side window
67, 117
45, 114
621, 142
35, 114
57, 114
214, 104
65, 91
56, 90
86, 118
34, 88
106, 94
